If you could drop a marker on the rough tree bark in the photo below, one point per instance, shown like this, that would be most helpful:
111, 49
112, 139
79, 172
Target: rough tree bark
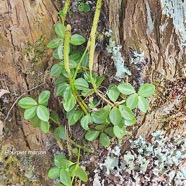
26, 27
156, 28
148, 26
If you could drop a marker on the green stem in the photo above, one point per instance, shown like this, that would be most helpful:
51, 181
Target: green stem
119, 103
79, 64
64, 11
78, 160
79, 99
55, 121
80, 147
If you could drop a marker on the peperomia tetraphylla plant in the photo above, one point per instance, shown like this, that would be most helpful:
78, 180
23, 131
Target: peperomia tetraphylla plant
78, 87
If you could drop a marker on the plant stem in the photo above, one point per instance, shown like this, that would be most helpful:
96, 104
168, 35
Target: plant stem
55, 121
119, 103
79, 64
81, 147
79, 99
78, 159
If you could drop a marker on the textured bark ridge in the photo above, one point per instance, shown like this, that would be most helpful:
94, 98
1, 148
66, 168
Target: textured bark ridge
23, 23
24, 27
155, 32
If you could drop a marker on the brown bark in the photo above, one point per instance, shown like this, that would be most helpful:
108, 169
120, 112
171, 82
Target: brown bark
25, 28
131, 22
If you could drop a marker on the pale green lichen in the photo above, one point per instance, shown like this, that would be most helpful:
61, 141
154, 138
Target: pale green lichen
150, 22
114, 50
160, 161
176, 9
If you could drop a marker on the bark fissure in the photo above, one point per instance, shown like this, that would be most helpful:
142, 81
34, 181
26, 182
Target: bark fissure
27, 17
49, 11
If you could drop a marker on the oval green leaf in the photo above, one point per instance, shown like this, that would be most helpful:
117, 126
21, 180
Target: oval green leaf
76, 170
132, 101
143, 104
146, 90
60, 51
77, 39
61, 89
109, 131
130, 122
54, 43
56, 70
44, 97
99, 127
91, 135
44, 126
55, 54
85, 121
30, 113
104, 140
119, 132
60, 30
113, 93
43, 113
87, 92
60, 133
126, 88
69, 104
74, 115
35, 122
57, 160
81, 84
126, 112
115, 116
83, 7
101, 116
54, 173
65, 177
27, 102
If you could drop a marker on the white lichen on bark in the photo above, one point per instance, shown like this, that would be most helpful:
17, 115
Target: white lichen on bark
177, 11
115, 50
150, 23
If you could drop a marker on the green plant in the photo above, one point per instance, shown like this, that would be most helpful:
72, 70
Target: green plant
78, 85
66, 170
37, 112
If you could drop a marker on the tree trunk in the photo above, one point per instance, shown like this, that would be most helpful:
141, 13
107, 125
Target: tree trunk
149, 31
156, 28
25, 29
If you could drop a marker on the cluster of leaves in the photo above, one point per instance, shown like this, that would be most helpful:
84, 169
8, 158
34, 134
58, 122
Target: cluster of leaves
113, 121
66, 170
158, 162
104, 122
37, 111
57, 44
76, 84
